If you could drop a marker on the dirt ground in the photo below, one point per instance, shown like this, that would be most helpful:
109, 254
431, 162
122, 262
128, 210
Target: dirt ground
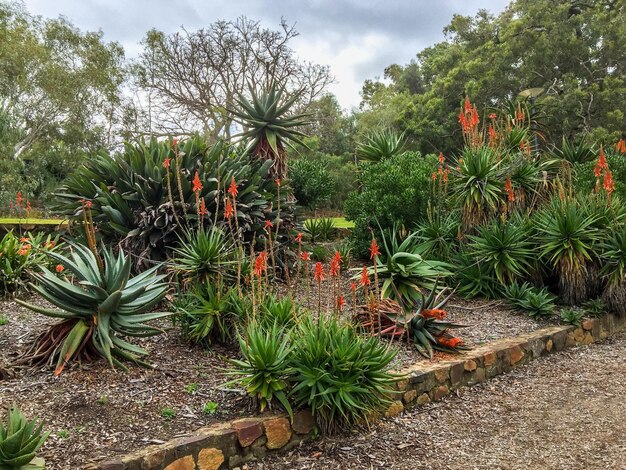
565, 411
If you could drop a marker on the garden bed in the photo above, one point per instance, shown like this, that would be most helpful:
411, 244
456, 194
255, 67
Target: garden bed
97, 412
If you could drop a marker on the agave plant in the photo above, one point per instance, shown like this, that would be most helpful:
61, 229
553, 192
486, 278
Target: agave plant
135, 202
265, 366
103, 305
504, 248
536, 302
320, 228
567, 237
614, 270
339, 374
477, 186
474, 278
577, 151
380, 145
20, 440
269, 126
280, 310
424, 327
439, 234
203, 256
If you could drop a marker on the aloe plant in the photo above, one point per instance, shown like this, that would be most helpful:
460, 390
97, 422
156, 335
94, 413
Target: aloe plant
20, 440
103, 304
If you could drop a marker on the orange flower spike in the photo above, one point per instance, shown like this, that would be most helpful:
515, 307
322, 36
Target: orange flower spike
335, 268
299, 238
374, 249
260, 264
202, 210
277, 181
232, 189
341, 301
318, 272
306, 256
601, 164
353, 287
59, 268
228, 210
492, 116
467, 105
337, 257
509, 189
620, 146
434, 176
197, 184
268, 225
365, 278
167, 162
609, 184
174, 143
441, 157
446, 174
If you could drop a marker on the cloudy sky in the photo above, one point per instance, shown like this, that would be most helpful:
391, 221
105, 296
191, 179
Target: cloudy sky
356, 38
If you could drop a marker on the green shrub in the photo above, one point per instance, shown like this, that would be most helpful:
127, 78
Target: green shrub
474, 278
613, 261
536, 302
340, 375
265, 366
319, 253
311, 182
20, 255
395, 190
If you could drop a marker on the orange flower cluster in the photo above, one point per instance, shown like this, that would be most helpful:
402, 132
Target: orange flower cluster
450, 342
608, 183
468, 117
508, 187
197, 184
335, 265
441, 171
299, 238
260, 264
228, 210
167, 162
620, 146
365, 278
493, 136
202, 210
601, 164
306, 256
436, 313
602, 170
520, 116
268, 225
374, 249
232, 189
59, 268
318, 272
341, 301
24, 249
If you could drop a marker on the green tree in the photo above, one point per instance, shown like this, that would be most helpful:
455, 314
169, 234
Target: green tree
59, 99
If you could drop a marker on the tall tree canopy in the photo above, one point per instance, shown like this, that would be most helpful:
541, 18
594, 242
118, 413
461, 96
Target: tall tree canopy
574, 51
191, 78
59, 97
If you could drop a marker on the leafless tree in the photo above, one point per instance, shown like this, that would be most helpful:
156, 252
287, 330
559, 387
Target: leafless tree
189, 79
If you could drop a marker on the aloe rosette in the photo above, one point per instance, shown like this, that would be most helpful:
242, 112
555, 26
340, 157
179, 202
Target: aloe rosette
101, 305
19, 441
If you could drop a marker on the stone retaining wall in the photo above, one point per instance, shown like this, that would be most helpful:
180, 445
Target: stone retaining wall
228, 445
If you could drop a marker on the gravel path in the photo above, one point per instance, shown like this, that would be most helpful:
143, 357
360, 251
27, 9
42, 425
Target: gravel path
565, 411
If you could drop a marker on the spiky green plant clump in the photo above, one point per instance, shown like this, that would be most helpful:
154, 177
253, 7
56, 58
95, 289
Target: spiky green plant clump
20, 440
474, 278
535, 302
280, 310
102, 305
572, 316
614, 270
380, 145
340, 375
265, 365
270, 127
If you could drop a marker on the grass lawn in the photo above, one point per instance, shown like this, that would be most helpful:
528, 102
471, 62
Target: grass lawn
18, 221
341, 222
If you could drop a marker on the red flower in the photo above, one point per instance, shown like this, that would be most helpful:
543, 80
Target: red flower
609, 184
449, 342
601, 164
260, 264
446, 174
24, 240
467, 106
335, 267
493, 135
434, 313
202, 210
228, 210
434, 176
166, 163
509, 189
88, 204
318, 272
268, 225
441, 157
299, 237
620, 146
232, 189
492, 116
174, 142
59, 268
520, 116
277, 181
365, 278
306, 256
197, 184
19, 199
353, 287
24, 249
341, 301
374, 251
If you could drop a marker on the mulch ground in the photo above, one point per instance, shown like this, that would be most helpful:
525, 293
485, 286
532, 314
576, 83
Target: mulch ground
564, 411
95, 412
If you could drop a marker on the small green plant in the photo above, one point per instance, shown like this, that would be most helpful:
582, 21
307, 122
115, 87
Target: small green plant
103, 400
168, 413
380, 145
345, 250
3, 320
319, 253
20, 440
210, 408
191, 388
474, 278
280, 310
536, 302
322, 228
572, 316
338, 373
63, 434
264, 368
594, 307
